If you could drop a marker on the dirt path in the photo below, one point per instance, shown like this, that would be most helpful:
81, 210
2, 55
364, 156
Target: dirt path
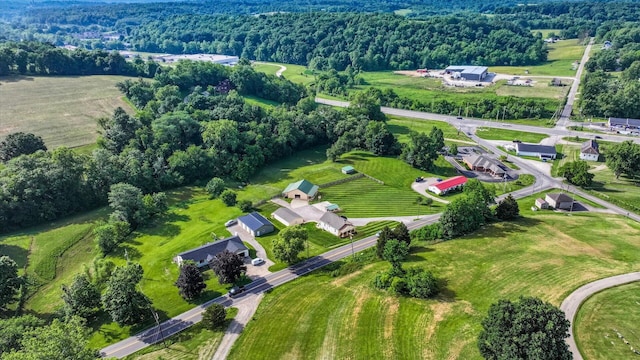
246, 308
279, 72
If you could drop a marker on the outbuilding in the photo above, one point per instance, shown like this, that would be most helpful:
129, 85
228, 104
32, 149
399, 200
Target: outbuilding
473, 73
541, 204
544, 152
347, 170
202, 255
623, 123
559, 201
287, 217
589, 151
337, 225
443, 187
303, 190
256, 224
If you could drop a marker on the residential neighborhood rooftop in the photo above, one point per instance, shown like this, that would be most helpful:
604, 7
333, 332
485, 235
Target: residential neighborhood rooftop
535, 148
590, 147
560, 197
333, 220
208, 251
304, 186
286, 214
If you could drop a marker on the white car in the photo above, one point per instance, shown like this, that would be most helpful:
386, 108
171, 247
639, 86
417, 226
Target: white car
257, 261
231, 222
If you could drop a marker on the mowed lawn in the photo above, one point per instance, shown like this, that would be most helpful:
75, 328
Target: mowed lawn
540, 89
402, 126
544, 254
605, 315
63, 110
296, 73
509, 135
560, 61
624, 191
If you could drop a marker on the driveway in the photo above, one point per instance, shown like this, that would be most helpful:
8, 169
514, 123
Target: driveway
421, 188
309, 213
253, 271
246, 308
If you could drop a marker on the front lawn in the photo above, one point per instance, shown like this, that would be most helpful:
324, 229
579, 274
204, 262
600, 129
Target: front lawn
509, 135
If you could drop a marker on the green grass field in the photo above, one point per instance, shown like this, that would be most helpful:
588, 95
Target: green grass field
63, 110
566, 153
624, 191
401, 126
509, 135
540, 89
320, 316
560, 61
254, 100
296, 73
545, 32
602, 317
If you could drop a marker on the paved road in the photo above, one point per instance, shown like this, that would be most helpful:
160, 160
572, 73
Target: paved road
571, 97
472, 124
572, 303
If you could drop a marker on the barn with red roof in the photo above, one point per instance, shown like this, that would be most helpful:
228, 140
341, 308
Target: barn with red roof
443, 187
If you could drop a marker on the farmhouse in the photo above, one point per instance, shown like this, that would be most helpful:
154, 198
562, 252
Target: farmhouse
255, 224
287, 217
622, 123
541, 204
559, 201
540, 151
302, 189
474, 73
443, 187
204, 254
336, 225
589, 151
484, 164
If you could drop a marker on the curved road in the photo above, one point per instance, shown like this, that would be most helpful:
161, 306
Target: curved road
572, 303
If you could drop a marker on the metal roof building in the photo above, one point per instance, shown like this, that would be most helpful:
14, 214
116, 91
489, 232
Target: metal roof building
204, 254
475, 73
540, 151
255, 224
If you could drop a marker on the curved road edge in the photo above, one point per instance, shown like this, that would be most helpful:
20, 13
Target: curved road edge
572, 303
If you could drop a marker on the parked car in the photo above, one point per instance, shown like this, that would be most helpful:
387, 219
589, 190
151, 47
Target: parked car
438, 179
598, 137
231, 222
419, 179
257, 261
236, 290
460, 117
517, 141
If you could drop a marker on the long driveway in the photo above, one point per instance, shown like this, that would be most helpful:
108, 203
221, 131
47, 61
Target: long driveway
572, 303
571, 97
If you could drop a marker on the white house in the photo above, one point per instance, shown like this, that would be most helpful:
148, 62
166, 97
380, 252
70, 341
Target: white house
559, 201
336, 225
590, 151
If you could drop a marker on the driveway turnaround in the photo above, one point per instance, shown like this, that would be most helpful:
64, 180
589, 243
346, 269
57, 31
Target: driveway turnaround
572, 303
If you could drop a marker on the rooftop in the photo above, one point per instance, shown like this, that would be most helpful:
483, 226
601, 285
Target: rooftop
468, 69
333, 220
286, 214
486, 162
624, 122
589, 147
449, 183
535, 148
208, 251
560, 197
304, 186
254, 221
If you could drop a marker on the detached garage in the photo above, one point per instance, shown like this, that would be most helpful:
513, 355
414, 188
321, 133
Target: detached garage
287, 217
255, 224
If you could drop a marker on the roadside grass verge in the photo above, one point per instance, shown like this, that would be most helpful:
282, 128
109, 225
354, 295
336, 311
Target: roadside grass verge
62, 109
401, 127
509, 135
319, 316
624, 191
566, 153
605, 314
194, 343
561, 56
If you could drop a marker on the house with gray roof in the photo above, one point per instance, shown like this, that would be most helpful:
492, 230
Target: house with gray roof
559, 201
287, 217
590, 151
474, 73
202, 255
256, 224
545, 152
302, 189
485, 164
337, 225
623, 123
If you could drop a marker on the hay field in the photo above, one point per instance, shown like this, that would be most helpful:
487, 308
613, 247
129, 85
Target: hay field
63, 110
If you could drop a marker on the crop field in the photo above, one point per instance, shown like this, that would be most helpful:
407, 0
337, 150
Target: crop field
560, 61
63, 110
509, 135
605, 315
319, 316
401, 127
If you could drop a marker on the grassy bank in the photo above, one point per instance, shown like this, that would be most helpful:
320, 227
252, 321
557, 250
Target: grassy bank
560, 61
509, 135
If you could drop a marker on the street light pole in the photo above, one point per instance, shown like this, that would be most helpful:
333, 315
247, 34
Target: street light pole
352, 251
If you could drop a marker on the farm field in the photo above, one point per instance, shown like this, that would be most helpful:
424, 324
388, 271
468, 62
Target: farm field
561, 56
509, 135
63, 110
602, 317
322, 316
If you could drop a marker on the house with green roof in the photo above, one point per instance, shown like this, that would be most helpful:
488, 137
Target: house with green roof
303, 190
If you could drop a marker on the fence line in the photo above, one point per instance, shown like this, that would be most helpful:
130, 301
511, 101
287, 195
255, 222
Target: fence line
342, 181
374, 179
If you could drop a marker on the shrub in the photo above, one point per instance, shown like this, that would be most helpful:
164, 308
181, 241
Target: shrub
245, 206
214, 316
421, 283
229, 197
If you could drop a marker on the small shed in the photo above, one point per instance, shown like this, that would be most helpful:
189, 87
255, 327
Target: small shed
347, 170
332, 207
541, 204
287, 217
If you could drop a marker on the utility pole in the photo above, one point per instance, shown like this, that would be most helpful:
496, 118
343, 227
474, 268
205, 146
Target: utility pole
353, 254
156, 317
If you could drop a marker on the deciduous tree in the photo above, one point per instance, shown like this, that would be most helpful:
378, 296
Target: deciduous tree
122, 299
623, 158
401, 233
109, 235
9, 281
20, 143
229, 197
525, 329
385, 235
14, 329
190, 281
227, 266
395, 252
289, 243
507, 209
214, 316
215, 187
577, 173
82, 298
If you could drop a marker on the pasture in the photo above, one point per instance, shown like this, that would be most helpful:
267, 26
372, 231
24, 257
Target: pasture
560, 61
605, 315
320, 316
63, 110
509, 135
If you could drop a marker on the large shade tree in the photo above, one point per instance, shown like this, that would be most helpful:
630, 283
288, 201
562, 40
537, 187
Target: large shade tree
190, 281
122, 300
289, 243
20, 143
227, 266
9, 281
